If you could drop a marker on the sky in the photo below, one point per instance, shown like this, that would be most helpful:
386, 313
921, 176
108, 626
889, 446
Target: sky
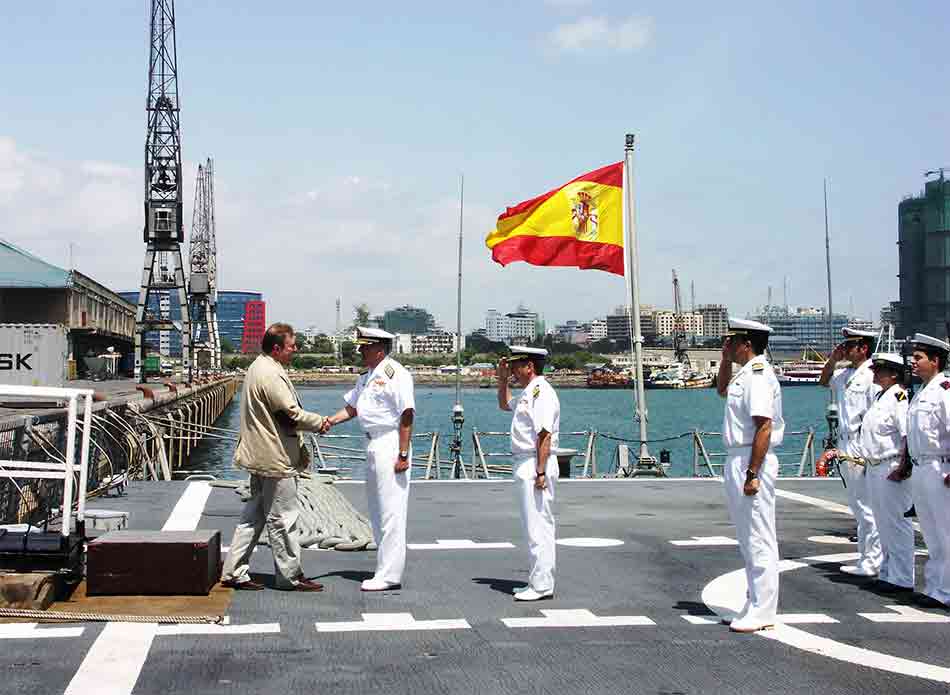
340, 131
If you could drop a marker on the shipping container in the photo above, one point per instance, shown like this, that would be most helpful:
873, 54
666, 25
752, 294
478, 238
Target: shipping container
33, 354
153, 365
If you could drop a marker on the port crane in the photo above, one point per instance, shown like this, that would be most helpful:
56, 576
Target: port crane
163, 272
202, 280
679, 326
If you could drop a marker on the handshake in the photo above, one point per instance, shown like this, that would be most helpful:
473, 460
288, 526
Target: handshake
325, 426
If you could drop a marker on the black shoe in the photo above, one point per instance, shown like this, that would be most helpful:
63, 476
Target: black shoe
911, 513
925, 601
853, 539
249, 585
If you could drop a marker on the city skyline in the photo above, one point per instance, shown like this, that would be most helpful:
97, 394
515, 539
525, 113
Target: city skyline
361, 198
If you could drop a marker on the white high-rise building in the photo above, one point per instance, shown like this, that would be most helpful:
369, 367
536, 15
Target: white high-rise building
520, 325
597, 330
666, 321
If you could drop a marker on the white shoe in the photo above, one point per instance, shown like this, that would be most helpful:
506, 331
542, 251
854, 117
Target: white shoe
519, 589
746, 625
857, 570
530, 594
378, 585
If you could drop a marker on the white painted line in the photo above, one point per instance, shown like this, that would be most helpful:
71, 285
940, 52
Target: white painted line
832, 540
187, 513
392, 622
459, 544
249, 629
698, 620
815, 502
832, 559
30, 631
805, 619
706, 540
905, 614
726, 593
578, 618
113, 663
589, 542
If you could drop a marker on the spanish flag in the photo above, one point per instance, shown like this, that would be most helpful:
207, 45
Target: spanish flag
579, 224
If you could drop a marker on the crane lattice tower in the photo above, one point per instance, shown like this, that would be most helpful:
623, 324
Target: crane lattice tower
202, 307
163, 271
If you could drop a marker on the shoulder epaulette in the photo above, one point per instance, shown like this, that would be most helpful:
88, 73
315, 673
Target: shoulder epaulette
945, 385
537, 391
900, 395
758, 367
390, 372
364, 373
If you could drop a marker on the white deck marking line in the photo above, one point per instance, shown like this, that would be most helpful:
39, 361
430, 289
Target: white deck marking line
805, 619
832, 540
706, 540
823, 504
832, 559
187, 513
458, 544
392, 622
30, 631
578, 618
114, 661
699, 620
726, 593
249, 629
905, 614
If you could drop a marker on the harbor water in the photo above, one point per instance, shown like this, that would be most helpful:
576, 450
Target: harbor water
609, 412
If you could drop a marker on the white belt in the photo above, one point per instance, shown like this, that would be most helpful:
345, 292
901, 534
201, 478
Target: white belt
886, 460
377, 435
926, 458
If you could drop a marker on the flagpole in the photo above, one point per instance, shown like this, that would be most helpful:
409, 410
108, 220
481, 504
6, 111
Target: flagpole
647, 462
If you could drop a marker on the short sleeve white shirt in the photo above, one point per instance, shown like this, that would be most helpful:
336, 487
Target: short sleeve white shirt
928, 419
855, 391
753, 392
885, 425
536, 409
381, 396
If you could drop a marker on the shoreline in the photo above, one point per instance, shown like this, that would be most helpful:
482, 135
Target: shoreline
320, 380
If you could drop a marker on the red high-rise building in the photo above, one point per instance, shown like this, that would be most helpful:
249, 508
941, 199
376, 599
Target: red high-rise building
255, 324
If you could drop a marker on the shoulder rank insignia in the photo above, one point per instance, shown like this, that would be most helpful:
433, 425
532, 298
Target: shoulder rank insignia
390, 372
945, 385
901, 396
536, 392
758, 367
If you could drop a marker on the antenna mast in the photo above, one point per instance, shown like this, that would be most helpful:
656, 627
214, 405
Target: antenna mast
163, 271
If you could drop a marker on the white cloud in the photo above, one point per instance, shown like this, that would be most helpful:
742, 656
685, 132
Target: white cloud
586, 33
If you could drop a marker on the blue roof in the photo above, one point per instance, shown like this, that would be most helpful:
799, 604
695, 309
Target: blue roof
19, 268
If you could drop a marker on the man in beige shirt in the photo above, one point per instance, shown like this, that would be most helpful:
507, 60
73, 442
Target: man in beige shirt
272, 450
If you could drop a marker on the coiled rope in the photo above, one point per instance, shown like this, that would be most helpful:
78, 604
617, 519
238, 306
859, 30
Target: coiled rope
56, 616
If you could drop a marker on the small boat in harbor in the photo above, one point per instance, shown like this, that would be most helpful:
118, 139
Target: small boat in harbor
679, 376
606, 378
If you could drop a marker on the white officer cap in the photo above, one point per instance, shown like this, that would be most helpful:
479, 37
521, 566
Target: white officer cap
522, 352
746, 326
857, 334
371, 336
922, 340
887, 359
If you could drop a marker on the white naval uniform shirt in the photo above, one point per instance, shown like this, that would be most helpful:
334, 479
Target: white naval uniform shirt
753, 392
381, 396
854, 390
885, 425
928, 420
536, 409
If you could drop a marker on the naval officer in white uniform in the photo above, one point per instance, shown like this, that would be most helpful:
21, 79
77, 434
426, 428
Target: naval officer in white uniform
882, 441
384, 403
928, 443
854, 392
534, 435
752, 426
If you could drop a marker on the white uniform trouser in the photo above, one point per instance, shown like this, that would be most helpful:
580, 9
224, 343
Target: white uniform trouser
754, 517
932, 500
537, 519
273, 505
859, 499
889, 501
387, 496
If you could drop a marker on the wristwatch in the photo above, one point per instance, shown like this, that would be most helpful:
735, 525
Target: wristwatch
403, 455
751, 474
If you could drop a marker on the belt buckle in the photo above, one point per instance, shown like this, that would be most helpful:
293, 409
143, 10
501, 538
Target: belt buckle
368, 435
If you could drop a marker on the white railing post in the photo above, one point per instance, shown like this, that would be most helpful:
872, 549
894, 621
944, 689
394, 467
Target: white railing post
68, 466
84, 465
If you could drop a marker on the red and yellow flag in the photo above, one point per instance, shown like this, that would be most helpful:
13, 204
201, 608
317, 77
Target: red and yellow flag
579, 224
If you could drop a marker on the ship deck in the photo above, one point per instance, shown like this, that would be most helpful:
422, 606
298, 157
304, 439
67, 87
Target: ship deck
643, 568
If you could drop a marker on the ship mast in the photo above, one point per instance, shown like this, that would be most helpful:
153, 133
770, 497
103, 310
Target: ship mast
458, 412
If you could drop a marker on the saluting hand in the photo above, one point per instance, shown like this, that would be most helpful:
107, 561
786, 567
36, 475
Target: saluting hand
503, 371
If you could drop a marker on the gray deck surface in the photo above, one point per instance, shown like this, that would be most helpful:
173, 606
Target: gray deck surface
645, 576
